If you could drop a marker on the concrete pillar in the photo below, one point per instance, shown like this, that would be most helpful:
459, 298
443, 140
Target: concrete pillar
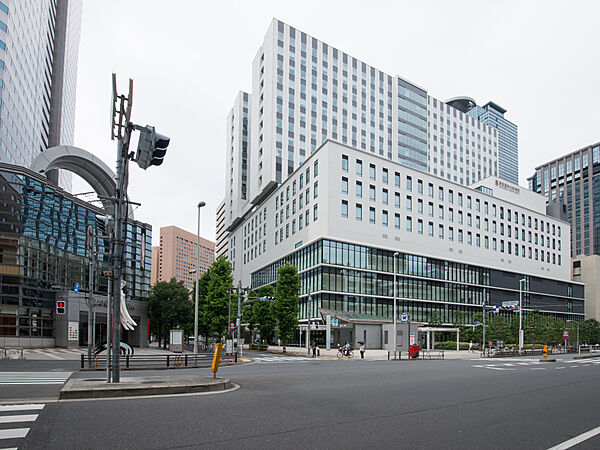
428, 339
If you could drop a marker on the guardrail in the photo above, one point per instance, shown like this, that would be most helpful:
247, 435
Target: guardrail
426, 354
158, 361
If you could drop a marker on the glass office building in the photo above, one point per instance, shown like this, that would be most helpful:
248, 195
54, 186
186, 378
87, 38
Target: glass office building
43, 253
574, 180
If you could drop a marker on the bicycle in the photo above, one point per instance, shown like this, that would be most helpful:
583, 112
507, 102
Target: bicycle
341, 353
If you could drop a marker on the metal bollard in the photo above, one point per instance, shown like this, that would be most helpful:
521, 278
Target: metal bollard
186, 360
127, 361
82, 361
235, 357
167, 360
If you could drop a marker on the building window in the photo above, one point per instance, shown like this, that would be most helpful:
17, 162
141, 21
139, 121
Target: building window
397, 221
358, 211
441, 231
408, 223
371, 215
420, 226
344, 163
372, 193
359, 189
344, 208
316, 168
408, 183
359, 167
315, 212
384, 218
344, 185
384, 176
372, 171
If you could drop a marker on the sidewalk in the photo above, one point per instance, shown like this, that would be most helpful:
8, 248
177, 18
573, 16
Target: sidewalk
72, 354
369, 354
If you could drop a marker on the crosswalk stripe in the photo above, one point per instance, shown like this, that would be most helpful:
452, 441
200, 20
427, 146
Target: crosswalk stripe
13, 433
24, 407
19, 418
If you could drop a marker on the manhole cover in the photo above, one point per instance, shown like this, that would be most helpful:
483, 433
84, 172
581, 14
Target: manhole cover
152, 382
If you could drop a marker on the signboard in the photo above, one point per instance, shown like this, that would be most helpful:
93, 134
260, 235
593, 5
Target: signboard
566, 335
229, 346
76, 288
413, 338
545, 352
176, 341
334, 322
404, 317
73, 331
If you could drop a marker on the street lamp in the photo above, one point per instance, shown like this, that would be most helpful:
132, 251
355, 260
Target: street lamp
521, 282
396, 254
578, 346
200, 205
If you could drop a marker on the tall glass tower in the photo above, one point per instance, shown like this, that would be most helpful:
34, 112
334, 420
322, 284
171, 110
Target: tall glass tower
39, 43
508, 147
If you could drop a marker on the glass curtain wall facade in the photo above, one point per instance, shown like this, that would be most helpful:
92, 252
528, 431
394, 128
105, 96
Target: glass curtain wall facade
574, 180
43, 252
354, 278
508, 146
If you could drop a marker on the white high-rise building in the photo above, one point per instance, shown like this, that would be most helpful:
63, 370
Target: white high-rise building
305, 92
39, 43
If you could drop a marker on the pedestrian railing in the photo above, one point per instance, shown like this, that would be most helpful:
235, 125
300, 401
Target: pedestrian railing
157, 361
426, 354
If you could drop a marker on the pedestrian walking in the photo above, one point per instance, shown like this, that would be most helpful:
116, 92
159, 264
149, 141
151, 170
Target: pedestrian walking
318, 351
471, 346
361, 348
313, 347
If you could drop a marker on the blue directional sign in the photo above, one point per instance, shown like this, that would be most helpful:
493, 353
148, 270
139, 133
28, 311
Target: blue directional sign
76, 288
496, 308
404, 317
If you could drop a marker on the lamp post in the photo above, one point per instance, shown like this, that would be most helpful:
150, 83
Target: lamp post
200, 205
521, 282
395, 304
578, 346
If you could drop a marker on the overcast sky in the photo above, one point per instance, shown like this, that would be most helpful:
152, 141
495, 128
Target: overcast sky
188, 59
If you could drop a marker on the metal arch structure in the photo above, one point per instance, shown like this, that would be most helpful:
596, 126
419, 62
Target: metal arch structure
81, 162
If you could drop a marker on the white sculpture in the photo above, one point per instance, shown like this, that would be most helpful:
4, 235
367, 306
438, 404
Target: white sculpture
126, 321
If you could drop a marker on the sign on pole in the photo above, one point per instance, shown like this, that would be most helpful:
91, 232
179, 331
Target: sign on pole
413, 338
334, 322
404, 317
566, 335
76, 288
496, 308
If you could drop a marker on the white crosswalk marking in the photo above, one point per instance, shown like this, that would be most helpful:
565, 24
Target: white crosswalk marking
18, 433
16, 378
281, 359
521, 363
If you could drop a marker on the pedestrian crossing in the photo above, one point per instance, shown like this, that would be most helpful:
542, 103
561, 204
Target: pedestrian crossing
533, 364
45, 378
13, 421
282, 359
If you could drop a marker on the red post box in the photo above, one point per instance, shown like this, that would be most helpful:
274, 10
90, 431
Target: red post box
414, 351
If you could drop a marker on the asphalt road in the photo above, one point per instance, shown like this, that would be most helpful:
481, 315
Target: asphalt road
301, 403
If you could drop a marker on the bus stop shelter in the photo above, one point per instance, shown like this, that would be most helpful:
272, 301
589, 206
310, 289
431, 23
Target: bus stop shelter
430, 333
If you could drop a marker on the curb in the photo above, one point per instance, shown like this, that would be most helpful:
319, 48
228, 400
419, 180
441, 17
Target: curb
74, 388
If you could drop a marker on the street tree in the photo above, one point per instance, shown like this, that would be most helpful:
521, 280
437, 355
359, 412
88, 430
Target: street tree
169, 306
216, 300
287, 300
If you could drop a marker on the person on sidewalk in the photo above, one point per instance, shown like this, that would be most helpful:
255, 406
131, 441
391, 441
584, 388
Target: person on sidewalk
471, 346
313, 347
318, 351
361, 347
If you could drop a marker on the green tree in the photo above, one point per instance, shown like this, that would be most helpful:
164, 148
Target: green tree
264, 313
287, 299
216, 299
169, 306
435, 320
498, 329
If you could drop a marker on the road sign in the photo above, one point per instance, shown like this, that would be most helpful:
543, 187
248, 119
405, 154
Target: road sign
566, 335
413, 338
514, 304
76, 288
545, 352
334, 322
232, 327
404, 317
496, 308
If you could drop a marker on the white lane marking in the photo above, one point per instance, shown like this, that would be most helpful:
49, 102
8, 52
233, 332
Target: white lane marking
24, 407
13, 433
508, 364
18, 418
498, 368
576, 440
538, 368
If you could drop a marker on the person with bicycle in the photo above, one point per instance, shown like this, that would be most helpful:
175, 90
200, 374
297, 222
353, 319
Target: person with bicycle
347, 349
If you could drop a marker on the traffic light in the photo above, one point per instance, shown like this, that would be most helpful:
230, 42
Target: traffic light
61, 306
267, 299
152, 147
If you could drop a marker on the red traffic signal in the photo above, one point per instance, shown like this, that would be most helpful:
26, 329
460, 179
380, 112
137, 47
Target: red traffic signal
61, 306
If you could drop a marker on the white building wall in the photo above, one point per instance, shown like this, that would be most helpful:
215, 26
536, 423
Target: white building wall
330, 223
460, 148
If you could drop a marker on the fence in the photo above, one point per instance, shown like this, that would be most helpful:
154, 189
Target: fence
132, 362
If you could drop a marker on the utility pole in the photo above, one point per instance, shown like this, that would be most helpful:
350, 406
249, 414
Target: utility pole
90, 243
395, 332
521, 282
109, 331
484, 317
239, 317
